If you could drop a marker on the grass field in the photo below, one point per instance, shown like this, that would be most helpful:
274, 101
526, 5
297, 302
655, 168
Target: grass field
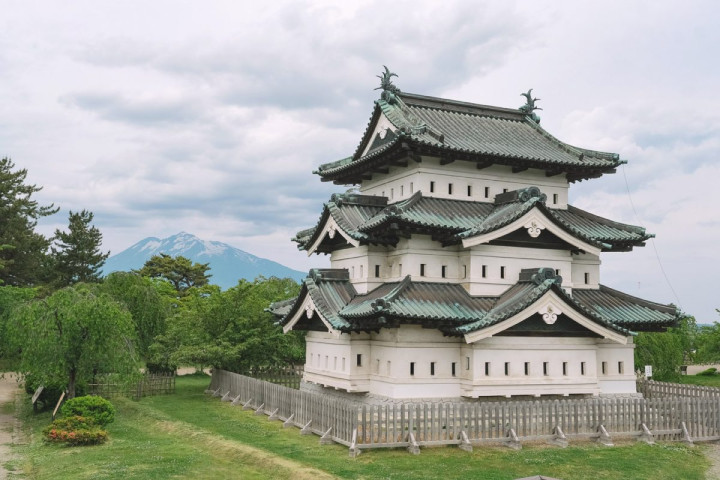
704, 380
192, 435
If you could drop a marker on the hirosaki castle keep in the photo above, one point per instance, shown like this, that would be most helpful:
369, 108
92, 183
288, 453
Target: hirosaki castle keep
458, 268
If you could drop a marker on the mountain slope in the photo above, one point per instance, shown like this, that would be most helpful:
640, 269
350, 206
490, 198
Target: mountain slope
227, 264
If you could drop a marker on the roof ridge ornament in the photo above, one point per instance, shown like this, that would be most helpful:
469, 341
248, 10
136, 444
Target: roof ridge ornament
529, 107
386, 85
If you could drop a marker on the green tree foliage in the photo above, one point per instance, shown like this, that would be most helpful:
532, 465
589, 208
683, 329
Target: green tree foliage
72, 335
76, 253
666, 351
181, 272
10, 299
708, 343
231, 329
22, 251
142, 298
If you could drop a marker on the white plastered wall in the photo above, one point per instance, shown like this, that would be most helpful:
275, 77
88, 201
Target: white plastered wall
401, 182
556, 365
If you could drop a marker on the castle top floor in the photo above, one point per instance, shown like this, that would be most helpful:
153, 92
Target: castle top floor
405, 130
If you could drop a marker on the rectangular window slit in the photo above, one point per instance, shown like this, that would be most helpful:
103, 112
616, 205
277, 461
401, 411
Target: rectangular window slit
444, 271
546, 369
452, 368
484, 271
432, 187
412, 368
487, 192
507, 368
432, 368
527, 368
359, 359
467, 363
587, 278
603, 368
450, 188
469, 191
487, 369
582, 368
464, 271
422, 269
565, 368
555, 198
377, 271
502, 272
621, 368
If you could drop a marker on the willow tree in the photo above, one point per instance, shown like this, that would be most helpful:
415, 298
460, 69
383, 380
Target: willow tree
72, 335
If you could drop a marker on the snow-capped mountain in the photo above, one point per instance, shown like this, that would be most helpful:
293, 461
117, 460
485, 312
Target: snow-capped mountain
227, 264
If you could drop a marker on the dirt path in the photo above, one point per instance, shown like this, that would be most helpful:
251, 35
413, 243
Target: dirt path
9, 426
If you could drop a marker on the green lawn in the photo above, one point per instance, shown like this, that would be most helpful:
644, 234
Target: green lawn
704, 380
192, 435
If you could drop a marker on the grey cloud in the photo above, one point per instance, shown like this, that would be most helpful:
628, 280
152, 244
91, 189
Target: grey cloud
140, 111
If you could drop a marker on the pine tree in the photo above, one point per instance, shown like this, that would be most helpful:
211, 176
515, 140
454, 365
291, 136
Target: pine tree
76, 253
22, 251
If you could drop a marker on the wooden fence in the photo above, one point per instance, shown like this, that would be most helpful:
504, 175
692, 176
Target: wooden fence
361, 426
290, 376
150, 384
653, 389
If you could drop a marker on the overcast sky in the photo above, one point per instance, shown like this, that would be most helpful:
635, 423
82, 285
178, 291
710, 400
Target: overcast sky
209, 117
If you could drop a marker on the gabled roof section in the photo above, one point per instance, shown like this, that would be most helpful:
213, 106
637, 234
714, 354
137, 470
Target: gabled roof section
323, 293
538, 292
342, 215
526, 208
463, 131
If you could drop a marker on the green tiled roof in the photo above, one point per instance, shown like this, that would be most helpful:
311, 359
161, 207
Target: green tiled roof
466, 131
449, 308
626, 310
330, 290
367, 220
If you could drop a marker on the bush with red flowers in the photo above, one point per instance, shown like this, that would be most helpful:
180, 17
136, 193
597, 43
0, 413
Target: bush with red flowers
75, 430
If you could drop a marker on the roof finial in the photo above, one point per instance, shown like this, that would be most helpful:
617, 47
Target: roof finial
389, 90
529, 107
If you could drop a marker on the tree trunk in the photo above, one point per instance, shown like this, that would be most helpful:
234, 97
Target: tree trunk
71, 384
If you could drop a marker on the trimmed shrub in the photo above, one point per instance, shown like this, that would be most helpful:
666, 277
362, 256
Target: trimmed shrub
709, 372
97, 409
75, 430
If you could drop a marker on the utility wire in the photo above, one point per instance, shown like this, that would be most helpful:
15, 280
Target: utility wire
652, 240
